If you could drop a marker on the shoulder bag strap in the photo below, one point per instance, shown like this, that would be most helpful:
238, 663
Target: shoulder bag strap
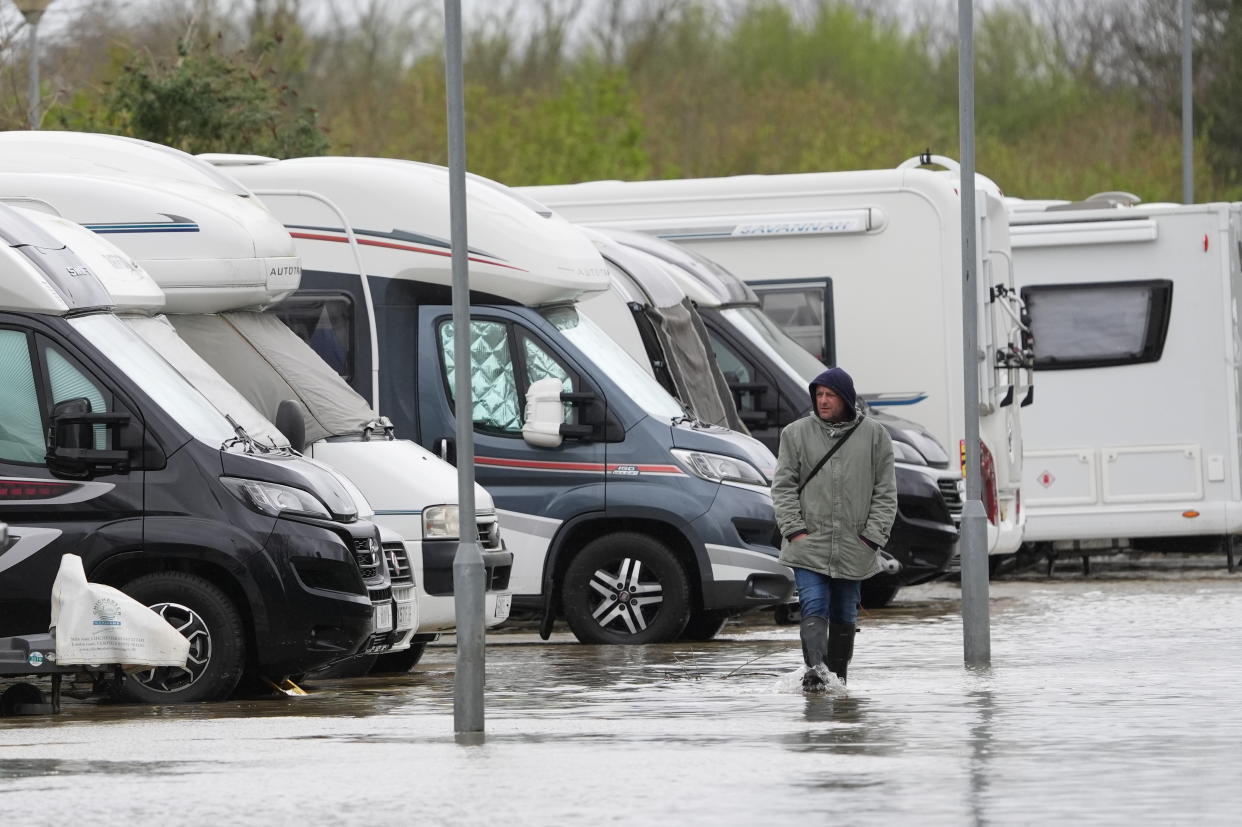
828, 456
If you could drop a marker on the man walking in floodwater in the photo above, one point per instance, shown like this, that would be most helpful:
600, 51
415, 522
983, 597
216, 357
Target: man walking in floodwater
836, 498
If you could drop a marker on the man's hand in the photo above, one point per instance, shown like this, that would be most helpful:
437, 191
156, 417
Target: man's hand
793, 538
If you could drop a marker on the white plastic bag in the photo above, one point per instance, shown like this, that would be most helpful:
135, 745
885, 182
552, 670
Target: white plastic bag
97, 624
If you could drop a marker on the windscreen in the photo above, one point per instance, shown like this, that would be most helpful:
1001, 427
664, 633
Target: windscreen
615, 363
267, 363
163, 338
763, 332
167, 388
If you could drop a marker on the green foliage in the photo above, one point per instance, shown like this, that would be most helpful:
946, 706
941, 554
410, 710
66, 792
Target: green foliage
1072, 97
589, 128
201, 101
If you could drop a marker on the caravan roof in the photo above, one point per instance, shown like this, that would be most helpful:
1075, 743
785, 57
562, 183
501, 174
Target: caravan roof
208, 250
109, 155
399, 213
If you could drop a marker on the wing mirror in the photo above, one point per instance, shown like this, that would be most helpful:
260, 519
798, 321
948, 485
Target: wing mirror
291, 421
71, 441
545, 425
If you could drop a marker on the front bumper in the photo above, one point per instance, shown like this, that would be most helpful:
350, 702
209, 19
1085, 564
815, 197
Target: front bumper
739, 536
924, 536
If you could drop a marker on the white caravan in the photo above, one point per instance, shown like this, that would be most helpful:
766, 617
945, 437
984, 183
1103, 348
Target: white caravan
882, 249
211, 252
1134, 311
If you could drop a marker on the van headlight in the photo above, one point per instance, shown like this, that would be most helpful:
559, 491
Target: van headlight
440, 521
719, 468
274, 499
903, 452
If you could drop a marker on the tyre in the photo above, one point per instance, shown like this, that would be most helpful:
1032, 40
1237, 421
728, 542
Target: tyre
398, 663
877, 595
787, 614
704, 625
625, 588
207, 617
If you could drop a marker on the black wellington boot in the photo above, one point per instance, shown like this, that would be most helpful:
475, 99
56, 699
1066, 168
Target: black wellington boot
814, 634
840, 647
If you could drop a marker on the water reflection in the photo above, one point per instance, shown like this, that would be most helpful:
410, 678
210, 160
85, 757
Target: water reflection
1108, 702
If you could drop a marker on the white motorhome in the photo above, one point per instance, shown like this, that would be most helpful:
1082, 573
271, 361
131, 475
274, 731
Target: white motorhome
626, 517
881, 249
1134, 311
213, 253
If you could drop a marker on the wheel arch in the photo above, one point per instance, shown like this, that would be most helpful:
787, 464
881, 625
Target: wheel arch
667, 529
125, 567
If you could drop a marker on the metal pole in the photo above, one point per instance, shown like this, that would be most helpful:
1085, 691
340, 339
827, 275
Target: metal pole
1188, 107
976, 637
468, 595
32, 73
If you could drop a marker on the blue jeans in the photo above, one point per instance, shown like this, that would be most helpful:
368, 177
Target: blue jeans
832, 597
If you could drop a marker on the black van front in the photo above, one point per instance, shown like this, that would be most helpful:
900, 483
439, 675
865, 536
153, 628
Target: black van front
107, 453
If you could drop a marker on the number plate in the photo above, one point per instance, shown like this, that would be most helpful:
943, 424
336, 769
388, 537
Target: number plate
406, 615
383, 617
503, 602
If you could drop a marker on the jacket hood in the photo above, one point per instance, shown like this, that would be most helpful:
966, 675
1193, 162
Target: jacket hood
840, 383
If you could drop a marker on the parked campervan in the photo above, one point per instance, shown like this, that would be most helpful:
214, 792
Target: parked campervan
625, 516
768, 377
882, 251
1134, 311
106, 451
210, 270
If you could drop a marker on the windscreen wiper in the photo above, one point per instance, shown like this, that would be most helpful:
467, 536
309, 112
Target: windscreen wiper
249, 444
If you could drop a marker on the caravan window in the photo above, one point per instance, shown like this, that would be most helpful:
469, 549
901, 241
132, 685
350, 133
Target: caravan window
798, 310
325, 321
1098, 324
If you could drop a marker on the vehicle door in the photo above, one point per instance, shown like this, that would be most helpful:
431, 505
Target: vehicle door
52, 513
538, 488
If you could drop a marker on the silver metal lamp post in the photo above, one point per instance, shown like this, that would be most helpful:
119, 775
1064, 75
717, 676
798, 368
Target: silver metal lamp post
33, 10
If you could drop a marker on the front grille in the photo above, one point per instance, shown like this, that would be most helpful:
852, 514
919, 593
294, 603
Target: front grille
952, 496
367, 555
380, 595
489, 532
398, 563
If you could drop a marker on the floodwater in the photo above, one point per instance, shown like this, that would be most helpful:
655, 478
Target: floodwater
1111, 699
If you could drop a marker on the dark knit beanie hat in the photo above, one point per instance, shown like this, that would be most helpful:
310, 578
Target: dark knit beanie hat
840, 383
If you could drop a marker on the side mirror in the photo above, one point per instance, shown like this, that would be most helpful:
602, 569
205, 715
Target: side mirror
71, 441
291, 421
545, 413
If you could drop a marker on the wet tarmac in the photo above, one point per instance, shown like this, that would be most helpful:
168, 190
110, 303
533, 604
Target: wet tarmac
1112, 699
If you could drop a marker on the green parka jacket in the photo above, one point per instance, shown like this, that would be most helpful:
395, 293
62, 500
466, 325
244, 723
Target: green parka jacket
853, 496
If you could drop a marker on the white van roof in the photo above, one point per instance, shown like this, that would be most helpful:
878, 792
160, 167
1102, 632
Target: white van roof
208, 250
39, 273
703, 280
94, 153
399, 212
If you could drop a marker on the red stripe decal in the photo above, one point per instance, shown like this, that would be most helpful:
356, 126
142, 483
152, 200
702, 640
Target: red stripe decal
597, 467
593, 467
368, 242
